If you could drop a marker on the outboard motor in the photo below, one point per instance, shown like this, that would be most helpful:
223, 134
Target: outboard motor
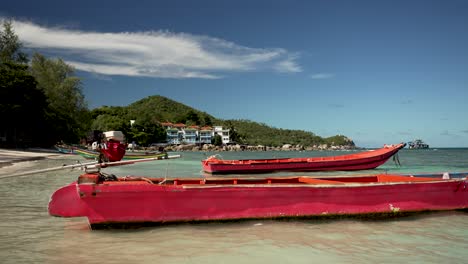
114, 148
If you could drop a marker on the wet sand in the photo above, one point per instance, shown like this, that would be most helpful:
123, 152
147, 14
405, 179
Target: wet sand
10, 158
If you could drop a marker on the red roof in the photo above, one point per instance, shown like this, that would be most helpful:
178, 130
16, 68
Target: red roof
166, 124
179, 125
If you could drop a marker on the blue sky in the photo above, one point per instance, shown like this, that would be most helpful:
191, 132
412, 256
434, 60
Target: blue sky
380, 72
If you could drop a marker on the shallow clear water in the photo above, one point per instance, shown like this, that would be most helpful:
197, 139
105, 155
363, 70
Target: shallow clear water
29, 235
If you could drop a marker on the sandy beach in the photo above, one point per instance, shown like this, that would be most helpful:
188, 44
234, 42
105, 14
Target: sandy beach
12, 161
8, 157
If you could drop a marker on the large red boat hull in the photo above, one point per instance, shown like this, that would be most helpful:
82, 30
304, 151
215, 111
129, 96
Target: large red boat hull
140, 201
356, 161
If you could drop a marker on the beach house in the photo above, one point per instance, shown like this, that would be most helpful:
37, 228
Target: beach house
182, 134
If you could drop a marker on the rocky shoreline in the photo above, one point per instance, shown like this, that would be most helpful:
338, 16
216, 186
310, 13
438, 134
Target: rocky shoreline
286, 147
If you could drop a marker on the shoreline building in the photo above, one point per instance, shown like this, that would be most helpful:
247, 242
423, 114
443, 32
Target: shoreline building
224, 133
179, 133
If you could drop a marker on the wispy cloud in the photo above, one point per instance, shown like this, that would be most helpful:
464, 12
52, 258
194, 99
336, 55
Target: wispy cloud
288, 65
158, 54
449, 134
445, 133
336, 105
405, 133
407, 102
319, 76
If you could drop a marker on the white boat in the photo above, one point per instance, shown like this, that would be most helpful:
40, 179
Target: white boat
417, 144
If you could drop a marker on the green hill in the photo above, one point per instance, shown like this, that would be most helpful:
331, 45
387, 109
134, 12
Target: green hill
166, 110
152, 110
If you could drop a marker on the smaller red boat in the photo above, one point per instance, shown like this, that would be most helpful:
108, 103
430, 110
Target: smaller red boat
128, 201
357, 161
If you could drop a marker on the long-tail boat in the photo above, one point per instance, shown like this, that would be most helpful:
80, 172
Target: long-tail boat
111, 149
106, 200
89, 154
357, 161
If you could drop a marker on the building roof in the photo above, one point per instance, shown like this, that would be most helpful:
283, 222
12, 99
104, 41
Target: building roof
166, 124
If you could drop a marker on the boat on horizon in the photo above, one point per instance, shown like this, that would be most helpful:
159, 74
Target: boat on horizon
109, 201
356, 161
417, 144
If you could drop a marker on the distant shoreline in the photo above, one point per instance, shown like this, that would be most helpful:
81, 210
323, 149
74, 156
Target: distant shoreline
286, 147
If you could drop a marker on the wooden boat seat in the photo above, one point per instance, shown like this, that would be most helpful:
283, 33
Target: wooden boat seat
318, 181
400, 178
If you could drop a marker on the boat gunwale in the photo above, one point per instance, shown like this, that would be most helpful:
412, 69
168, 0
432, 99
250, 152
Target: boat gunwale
321, 184
353, 156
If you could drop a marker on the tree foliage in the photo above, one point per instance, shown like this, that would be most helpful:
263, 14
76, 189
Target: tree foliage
217, 140
67, 113
164, 109
145, 130
10, 46
22, 104
42, 102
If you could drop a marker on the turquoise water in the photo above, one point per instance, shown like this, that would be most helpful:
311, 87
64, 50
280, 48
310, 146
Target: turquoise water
29, 235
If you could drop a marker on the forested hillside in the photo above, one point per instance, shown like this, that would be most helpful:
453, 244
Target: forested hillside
150, 111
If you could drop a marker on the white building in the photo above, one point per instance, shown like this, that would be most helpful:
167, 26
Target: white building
180, 133
224, 133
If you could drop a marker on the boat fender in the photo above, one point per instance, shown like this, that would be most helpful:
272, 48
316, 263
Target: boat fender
446, 176
214, 157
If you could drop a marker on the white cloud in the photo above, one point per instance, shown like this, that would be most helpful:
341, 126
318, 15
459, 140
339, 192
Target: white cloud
152, 54
288, 65
318, 76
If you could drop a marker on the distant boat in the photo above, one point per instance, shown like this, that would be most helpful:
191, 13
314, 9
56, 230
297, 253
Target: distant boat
417, 144
356, 161
88, 154
65, 149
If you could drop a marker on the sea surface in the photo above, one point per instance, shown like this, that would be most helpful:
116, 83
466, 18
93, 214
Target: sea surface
29, 235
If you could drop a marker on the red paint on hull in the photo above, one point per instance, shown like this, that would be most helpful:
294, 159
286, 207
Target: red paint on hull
356, 161
198, 200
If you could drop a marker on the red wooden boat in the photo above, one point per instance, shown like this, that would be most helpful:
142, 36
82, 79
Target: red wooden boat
357, 161
134, 200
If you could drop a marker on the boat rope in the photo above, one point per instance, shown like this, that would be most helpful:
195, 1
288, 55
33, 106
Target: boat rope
132, 178
165, 175
396, 159
107, 177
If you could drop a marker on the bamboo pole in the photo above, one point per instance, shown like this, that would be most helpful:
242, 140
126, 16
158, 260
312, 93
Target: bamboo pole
88, 165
